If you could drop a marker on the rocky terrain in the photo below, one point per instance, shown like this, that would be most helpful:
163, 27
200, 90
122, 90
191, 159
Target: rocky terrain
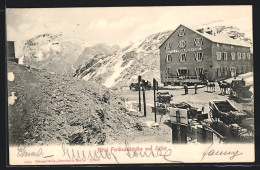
52, 108
63, 56
140, 58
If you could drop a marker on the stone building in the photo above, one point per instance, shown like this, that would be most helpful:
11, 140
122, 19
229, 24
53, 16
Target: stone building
189, 55
11, 51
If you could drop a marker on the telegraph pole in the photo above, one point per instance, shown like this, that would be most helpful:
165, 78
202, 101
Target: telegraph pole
139, 88
144, 101
154, 89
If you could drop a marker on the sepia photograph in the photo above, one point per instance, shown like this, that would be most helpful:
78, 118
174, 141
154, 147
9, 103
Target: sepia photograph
120, 85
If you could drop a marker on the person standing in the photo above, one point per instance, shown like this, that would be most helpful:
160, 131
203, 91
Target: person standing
186, 88
195, 87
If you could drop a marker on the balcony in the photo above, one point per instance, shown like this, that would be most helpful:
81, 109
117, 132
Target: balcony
174, 78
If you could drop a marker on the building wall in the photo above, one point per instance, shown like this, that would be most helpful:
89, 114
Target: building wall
236, 63
190, 63
10, 49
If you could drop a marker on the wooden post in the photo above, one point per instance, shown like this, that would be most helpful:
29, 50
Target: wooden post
175, 133
204, 136
154, 95
183, 132
144, 101
139, 81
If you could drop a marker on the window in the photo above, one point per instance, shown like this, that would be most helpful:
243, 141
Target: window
199, 71
233, 56
198, 41
217, 45
231, 46
243, 56
239, 56
182, 57
182, 44
219, 72
224, 55
181, 32
226, 70
182, 72
218, 55
167, 71
248, 56
168, 58
168, 46
199, 56
233, 71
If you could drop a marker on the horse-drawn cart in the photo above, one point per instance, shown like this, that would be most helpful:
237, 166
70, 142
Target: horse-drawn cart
226, 112
235, 125
240, 89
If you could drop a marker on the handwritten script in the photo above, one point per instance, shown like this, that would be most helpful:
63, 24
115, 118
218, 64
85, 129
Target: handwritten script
22, 152
86, 154
212, 152
167, 155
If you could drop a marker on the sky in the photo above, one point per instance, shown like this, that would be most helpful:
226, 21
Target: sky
114, 25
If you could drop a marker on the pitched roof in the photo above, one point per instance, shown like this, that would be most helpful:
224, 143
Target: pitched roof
218, 38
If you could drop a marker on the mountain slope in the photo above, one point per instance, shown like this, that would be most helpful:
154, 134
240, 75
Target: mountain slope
63, 56
92, 52
51, 52
123, 67
53, 108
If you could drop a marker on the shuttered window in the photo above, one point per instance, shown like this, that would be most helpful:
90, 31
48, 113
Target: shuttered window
167, 71
181, 32
168, 58
248, 56
243, 56
219, 73
224, 55
198, 41
168, 46
233, 56
239, 56
218, 55
182, 57
199, 56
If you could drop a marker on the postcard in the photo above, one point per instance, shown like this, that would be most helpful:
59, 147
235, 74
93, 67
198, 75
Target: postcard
130, 85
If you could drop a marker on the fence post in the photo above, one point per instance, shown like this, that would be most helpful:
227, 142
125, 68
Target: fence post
144, 101
139, 88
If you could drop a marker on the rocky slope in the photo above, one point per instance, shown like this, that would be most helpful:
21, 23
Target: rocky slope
63, 56
123, 67
52, 108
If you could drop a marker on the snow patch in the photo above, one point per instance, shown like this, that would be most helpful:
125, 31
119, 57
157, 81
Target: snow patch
11, 99
111, 80
10, 76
